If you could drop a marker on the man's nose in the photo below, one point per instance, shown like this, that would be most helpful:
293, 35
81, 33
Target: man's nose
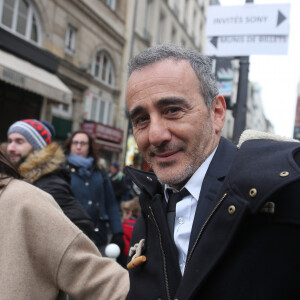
11, 147
159, 132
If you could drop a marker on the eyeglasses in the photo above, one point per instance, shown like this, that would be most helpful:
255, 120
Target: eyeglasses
82, 144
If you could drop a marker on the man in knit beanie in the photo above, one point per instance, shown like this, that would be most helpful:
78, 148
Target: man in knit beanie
27, 135
40, 161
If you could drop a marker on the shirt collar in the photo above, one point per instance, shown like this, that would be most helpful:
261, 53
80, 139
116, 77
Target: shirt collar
195, 182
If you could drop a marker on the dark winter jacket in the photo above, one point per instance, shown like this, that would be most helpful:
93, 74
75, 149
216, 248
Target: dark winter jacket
247, 245
97, 197
43, 168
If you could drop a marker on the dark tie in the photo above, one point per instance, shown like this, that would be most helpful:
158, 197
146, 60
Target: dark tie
174, 197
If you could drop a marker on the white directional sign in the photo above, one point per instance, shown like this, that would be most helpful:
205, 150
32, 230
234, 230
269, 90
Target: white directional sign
245, 45
247, 29
253, 19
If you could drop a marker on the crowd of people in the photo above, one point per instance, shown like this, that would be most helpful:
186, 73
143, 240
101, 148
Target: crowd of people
213, 220
73, 174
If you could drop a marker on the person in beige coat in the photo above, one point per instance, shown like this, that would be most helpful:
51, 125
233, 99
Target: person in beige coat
43, 255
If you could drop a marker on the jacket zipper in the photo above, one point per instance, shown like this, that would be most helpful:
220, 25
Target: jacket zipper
163, 254
203, 227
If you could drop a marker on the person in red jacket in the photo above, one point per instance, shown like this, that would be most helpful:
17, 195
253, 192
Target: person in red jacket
131, 210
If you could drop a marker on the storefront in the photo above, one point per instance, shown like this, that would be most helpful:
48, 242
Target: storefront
27, 91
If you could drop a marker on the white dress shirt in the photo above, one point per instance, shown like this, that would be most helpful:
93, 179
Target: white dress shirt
185, 211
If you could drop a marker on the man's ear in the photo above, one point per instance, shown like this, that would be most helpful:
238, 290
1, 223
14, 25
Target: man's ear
218, 110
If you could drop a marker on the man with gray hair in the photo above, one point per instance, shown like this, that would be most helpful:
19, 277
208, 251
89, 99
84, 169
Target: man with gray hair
208, 207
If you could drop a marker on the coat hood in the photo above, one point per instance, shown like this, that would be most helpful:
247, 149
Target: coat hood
42, 162
251, 134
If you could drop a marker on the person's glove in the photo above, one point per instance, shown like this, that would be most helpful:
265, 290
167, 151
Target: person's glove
118, 239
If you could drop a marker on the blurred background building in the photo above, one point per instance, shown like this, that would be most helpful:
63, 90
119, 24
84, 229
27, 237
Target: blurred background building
65, 61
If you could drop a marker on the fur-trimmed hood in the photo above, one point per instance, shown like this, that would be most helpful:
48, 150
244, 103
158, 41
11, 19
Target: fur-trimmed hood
42, 162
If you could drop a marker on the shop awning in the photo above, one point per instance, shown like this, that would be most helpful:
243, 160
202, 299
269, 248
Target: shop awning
25, 75
109, 146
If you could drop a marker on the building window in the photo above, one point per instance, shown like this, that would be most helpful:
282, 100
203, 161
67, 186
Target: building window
173, 34
70, 39
147, 20
98, 109
194, 25
161, 28
20, 17
103, 68
62, 110
111, 4
176, 9
186, 15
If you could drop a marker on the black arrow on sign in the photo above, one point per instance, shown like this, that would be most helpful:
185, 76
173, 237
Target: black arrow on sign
214, 41
280, 18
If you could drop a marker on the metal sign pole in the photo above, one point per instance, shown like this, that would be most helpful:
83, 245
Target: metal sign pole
242, 95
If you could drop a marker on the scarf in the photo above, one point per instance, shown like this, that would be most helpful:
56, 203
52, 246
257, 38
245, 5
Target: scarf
82, 164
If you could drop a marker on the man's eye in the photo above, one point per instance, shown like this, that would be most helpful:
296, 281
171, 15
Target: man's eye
172, 110
140, 121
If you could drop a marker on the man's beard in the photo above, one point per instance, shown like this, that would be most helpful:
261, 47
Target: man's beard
180, 179
19, 162
177, 179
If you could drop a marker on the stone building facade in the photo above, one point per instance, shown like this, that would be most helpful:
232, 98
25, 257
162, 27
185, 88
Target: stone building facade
81, 44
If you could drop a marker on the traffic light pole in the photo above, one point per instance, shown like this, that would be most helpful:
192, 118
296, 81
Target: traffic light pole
242, 95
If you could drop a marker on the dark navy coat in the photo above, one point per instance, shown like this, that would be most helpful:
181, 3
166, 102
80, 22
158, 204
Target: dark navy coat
245, 240
96, 195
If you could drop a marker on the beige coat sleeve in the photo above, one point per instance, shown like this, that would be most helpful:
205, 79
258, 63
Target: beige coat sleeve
44, 254
84, 274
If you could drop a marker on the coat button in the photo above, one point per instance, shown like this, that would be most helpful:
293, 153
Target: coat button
73, 170
96, 229
284, 174
231, 209
90, 202
87, 184
253, 192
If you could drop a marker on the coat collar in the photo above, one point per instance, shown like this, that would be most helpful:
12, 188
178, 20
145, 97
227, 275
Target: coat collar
212, 182
41, 162
146, 181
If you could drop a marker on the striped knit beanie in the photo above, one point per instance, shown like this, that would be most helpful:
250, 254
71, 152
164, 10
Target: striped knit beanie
38, 133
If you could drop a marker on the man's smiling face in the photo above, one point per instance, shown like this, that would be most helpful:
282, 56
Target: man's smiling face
172, 126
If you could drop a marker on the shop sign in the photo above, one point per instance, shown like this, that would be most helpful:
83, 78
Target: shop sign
104, 132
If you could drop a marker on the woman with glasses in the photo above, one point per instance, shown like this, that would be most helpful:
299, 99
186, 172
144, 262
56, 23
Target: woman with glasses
92, 187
